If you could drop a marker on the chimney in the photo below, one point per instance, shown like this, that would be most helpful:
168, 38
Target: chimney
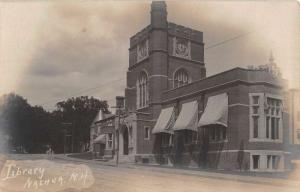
120, 104
100, 115
159, 14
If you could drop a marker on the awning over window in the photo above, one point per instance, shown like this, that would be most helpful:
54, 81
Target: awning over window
216, 111
188, 117
165, 121
100, 139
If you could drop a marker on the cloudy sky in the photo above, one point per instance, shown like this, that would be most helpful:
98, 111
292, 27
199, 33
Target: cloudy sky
50, 51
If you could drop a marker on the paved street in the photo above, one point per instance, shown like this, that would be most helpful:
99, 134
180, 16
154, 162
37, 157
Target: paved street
144, 179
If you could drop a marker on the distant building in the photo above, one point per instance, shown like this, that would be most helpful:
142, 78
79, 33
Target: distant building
175, 115
102, 135
270, 67
294, 111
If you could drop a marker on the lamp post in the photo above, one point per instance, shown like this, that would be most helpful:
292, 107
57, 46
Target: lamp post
117, 132
119, 107
65, 134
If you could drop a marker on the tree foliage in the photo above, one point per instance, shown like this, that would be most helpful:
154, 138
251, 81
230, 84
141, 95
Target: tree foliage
76, 114
32, 128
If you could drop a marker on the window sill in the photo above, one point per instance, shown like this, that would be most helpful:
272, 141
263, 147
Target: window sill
166, 146
265, 140
189, 144
267, 170
144, 107
189, 58
222, 141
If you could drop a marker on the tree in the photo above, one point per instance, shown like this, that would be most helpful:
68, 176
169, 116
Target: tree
26, 126
80, 112
32, 128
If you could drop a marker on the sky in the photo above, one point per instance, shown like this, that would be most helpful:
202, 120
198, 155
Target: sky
52, 50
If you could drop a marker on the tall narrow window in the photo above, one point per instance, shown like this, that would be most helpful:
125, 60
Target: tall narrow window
269, 157
255, 126
181, 78
109, 140
146, 133
267, 127
218, 133
224, 135
255, 112
212, 133
277, 128
275, 117
273, 128
142, 90
255, 159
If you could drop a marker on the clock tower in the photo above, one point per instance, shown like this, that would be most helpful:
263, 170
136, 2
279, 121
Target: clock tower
159, 51
162, 57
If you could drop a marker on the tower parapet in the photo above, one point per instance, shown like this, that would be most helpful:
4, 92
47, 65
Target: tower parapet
159, 14
185, 32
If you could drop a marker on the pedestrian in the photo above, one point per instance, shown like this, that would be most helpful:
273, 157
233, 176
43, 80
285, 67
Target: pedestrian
51, 153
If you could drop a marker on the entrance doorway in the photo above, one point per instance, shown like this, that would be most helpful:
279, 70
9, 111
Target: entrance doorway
125, 141
99, 149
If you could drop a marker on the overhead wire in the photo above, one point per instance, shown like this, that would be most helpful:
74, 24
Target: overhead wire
120, 79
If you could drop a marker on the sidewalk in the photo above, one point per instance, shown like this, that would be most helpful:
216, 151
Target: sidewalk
294, 183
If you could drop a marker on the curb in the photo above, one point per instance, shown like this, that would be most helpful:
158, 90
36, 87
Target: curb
199, 173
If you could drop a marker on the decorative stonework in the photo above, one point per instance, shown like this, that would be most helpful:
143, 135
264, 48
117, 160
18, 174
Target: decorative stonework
142, 50
181, 48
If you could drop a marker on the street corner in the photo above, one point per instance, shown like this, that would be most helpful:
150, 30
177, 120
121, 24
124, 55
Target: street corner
44, 175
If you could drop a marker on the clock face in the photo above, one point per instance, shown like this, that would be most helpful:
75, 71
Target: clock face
142, 50
181, 48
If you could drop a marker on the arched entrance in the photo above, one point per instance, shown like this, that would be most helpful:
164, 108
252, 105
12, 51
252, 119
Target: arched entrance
125, 141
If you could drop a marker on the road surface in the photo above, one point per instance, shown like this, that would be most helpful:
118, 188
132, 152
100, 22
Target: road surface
139, 179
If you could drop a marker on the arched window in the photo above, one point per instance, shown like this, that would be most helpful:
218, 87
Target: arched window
142, 90
180, 78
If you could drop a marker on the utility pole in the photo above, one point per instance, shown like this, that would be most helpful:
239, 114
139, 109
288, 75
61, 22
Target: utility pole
65, 134
72, 138
119, 106
117, 132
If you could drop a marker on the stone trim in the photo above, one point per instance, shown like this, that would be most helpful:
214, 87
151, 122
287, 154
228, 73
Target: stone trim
249, 150
238, 104
212, 87
158, 76
189, 60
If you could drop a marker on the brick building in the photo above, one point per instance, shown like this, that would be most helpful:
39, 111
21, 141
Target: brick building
175, 115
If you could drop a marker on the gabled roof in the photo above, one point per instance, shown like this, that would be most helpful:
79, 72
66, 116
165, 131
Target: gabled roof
100, 117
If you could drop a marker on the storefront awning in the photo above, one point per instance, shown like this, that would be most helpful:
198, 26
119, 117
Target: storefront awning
100, 139
216, 111
165, 121
188, 117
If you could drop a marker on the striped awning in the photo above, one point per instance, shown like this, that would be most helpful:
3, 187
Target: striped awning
165, 121
216, 111
188, 117
100, 139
